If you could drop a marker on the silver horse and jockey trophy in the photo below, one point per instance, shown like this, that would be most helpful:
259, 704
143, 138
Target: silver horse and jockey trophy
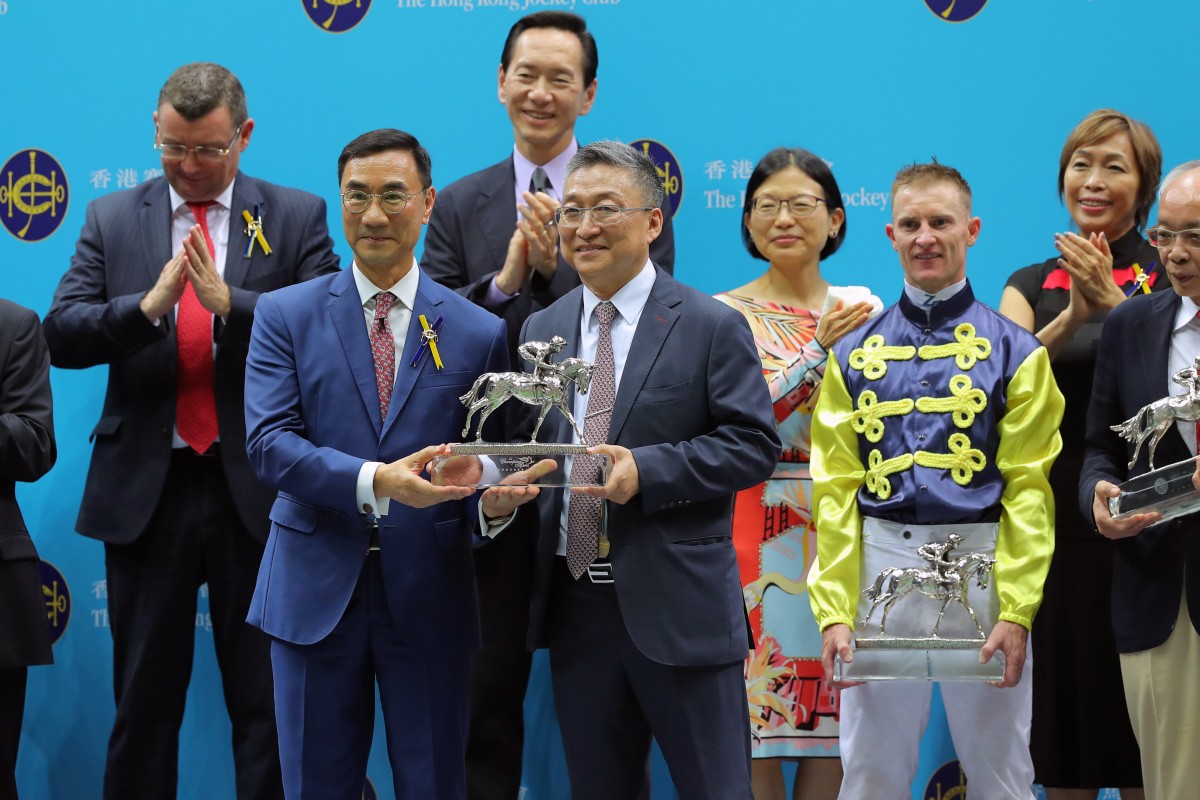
936, 633
547, 387
1167, 490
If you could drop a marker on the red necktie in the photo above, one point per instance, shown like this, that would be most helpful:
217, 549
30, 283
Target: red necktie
195, 403
383, 350
584, 514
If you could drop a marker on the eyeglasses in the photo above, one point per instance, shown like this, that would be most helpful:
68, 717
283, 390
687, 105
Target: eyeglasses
1161, 237
205, 153
357, 201
571, 217
802, 205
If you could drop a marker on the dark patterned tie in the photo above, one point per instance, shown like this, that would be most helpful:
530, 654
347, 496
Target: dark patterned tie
584, 513
540, 182
195, 401
383, 350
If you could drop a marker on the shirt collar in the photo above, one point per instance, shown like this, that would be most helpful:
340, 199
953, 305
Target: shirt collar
629, 299
922, 298
1186, 314
224, 199
556, 168
405, 289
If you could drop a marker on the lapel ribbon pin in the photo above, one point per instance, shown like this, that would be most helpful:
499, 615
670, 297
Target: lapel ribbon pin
429, 340
254, 229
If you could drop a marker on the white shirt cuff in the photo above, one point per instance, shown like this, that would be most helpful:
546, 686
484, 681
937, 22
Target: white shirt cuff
364, 494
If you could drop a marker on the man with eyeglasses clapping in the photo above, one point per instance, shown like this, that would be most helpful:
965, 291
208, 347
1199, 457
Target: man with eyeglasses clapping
162, 289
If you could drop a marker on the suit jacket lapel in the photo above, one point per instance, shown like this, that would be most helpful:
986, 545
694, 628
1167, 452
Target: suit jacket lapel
658, 317
346, 310
496, 209
245, 198
427, 303
156, 234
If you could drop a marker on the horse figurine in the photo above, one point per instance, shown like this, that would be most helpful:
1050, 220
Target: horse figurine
1153, 421
950, 586
551, 390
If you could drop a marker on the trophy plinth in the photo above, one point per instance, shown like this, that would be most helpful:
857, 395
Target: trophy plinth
1167, 490
894, 658
513, 461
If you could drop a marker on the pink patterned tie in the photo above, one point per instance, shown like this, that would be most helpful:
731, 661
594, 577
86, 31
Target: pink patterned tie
195, 399
584, 513
383, 350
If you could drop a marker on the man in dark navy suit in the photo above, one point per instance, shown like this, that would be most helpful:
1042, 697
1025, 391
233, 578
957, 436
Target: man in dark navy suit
162, 289
636, 589
1156, 570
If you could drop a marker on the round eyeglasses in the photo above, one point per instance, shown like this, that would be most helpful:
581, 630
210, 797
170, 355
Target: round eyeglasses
357, 201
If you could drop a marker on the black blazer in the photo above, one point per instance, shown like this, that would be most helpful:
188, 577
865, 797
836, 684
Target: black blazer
27, 452
467, 240
95, 319
1150, 569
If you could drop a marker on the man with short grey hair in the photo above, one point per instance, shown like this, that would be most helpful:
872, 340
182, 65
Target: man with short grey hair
636, 590
1156, 570
162, 290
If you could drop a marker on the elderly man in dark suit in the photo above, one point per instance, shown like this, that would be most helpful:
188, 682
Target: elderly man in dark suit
636, 590
1156, 570
27, 452
162, 288
492, 239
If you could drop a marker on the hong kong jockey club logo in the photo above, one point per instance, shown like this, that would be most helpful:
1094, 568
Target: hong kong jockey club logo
947, 783
336, 16
668, 170
956, 10
57, 597
33, 195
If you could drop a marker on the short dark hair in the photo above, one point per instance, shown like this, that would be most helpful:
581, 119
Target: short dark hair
933, 172
559, 20
382, 140
811, 165
1147, 155
195, 90
609, 152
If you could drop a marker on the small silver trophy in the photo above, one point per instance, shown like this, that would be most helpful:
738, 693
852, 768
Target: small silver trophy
547, 387
1167, 490
919, 652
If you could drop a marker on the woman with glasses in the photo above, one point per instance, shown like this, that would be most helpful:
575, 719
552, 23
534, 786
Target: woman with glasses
1107, 173
792, 218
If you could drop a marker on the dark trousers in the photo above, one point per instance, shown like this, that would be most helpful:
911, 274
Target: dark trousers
12, 709
611, 699
195, 536
325, 696
500, 671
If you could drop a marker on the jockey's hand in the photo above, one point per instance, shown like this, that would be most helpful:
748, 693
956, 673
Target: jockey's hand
1009, 638
623, 481
1119, 528
835, 641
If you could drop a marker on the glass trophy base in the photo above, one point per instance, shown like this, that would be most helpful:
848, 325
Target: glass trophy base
514, 460
1167, 490
896, 659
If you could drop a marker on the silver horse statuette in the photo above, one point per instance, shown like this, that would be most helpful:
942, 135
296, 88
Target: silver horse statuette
548, 386
945, 579
1153, 421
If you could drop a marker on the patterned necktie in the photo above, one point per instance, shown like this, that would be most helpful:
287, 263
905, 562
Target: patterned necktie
540, 181
383, 350
584, 513
195, 402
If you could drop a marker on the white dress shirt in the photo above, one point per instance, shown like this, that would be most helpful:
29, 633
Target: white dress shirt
630, 300
1185, 346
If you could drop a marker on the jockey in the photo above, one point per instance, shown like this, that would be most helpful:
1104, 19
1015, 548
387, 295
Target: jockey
938, 554
538, 354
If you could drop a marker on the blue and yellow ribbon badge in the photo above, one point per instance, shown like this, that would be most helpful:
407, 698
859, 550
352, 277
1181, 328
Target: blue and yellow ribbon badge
254, 229
429, 340
1141, 280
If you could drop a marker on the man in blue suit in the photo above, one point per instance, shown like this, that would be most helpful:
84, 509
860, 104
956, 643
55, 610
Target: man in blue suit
1156, 570
162, 289
647, 627
367, 576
